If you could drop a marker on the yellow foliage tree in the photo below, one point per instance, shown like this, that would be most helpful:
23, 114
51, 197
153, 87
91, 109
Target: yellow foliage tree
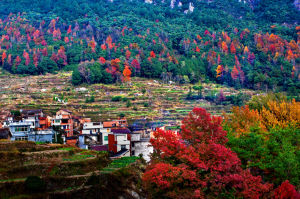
281, 114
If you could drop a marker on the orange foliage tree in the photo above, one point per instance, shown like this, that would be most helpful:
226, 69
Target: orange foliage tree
126, 73
234, 73
3, 57
219, 71
242, 120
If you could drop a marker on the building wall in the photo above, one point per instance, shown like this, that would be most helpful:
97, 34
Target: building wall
81, 142
71, 142
112, 143
144, 148
41, 138
104, 138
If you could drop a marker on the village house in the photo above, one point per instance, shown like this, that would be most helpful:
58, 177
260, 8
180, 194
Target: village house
119, 142
22, 131
113, 136
64, 121
115, 123
32, 116
45, 123
93, 134
10, 119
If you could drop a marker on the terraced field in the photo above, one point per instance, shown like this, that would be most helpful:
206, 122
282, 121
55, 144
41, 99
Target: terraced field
141, 98
59, 170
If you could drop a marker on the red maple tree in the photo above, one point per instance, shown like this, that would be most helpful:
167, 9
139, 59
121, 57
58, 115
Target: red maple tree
195, 163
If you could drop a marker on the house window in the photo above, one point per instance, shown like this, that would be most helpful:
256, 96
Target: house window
105, 138
21, 129
132, 144
123, 147
21, 138
132, 153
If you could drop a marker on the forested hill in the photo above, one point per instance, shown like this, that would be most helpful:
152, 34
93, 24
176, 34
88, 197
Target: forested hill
249, 43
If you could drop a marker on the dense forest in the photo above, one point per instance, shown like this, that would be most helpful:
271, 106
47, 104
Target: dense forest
250, 44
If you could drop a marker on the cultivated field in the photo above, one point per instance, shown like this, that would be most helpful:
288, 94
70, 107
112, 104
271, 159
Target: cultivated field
142, 98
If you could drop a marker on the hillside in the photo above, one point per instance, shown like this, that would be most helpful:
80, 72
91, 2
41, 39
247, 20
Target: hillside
142, 99
229, 42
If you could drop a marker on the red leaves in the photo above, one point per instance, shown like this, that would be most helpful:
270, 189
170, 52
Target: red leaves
66, 40
114, 67
9, 59
27, 58
103, 47
152, 54
35, 59
61, 55
163, 175
44, 52
102, 60
3, 57
197, 159
44, 43
206, 32
54, 57
286, 191
234, 73
109, 42
200, 125
128, 53
224, 47
123, 30
232, 48
18, 60
135, 63
199, 37
92, 44
69, 29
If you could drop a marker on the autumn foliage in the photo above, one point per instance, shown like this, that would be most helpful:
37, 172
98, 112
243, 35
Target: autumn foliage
126, 73
195, 163
281, 114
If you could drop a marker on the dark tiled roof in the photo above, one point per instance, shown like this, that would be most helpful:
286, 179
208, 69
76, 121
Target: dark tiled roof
120, 130
4, 133
99, 148
71, 138
32, 111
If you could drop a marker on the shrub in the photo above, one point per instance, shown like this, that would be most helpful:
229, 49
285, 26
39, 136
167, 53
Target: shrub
93, 180
121, 115
34, 184
128, 104
116, 98
146, 104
